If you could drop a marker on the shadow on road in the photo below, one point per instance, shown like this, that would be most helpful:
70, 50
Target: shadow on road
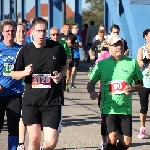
139, 144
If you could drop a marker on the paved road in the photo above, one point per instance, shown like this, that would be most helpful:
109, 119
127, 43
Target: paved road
81, 121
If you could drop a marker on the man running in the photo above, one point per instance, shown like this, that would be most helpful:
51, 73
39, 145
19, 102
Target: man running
54, 34
20, 39
116, 93
42, 63
10, 90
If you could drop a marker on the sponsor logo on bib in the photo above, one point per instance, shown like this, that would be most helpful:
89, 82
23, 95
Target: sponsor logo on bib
116, 86
7, 69
41, 81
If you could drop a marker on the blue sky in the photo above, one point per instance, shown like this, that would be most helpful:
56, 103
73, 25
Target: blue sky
30, 4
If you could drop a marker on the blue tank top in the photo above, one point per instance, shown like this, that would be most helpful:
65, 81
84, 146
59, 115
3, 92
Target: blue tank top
146, 74
7, 58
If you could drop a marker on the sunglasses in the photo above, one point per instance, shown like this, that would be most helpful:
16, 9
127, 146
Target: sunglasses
101, 31
55, 34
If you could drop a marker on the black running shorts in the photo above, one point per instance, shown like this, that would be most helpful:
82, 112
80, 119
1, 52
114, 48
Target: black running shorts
118, 122
47, 116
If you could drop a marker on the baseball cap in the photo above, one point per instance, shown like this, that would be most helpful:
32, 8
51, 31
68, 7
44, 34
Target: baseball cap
114, 39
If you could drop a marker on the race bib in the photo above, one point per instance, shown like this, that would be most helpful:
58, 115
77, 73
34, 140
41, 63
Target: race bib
147, 75
7, 69
116, 86
99, 54
41, 81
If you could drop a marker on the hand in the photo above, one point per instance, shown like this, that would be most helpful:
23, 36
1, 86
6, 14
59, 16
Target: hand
128, 89
92, 57
69, 60
126, 53
94, 95
28, 70
69, 42
56, 77
1, 88
145, 60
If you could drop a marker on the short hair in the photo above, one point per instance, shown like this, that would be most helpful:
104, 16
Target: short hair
75, 24
85, 26
38, 20
145, 33
21, 24
114, 26
8, 22
92, 22
66, 25
102, 26
54, 28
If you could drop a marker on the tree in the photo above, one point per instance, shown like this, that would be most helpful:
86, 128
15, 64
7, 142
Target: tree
94, 12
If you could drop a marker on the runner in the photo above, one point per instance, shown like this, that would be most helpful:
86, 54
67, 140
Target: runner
143, 59
96, 46
20, 39
42, 63
10, 90
115, 103
76, 53
54, 33
104, 54
68, 36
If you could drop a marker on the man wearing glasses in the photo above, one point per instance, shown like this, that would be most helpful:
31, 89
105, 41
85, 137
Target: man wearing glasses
54, 35
116, 74
115, 29
42, 63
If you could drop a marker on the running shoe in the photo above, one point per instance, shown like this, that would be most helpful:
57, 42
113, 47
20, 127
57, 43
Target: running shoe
142, 134
103, 146
21, 147
72, 86
67, 88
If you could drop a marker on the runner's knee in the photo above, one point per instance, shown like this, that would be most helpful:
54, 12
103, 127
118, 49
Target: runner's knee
50, 143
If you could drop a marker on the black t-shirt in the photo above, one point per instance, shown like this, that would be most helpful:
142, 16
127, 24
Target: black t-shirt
71, 36
125, 45
44, 60
96, 47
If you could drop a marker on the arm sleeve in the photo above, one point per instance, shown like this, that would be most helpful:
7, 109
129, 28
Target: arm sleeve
95, 74
19, 64
68, 50
138, 73
63, 56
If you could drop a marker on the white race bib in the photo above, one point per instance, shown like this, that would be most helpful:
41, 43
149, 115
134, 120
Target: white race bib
116, 86
41, 81
7, 69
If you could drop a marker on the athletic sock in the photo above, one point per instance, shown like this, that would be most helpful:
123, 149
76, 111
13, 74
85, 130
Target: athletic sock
13, 142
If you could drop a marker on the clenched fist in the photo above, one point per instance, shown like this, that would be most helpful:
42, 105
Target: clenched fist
28, 70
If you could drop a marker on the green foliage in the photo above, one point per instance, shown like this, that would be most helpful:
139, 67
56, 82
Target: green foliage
94, 12
70, 20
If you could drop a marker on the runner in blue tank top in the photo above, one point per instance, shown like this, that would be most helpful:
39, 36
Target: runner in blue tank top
10, 90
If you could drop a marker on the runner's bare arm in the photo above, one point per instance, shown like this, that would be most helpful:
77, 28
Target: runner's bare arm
91, 86
58, 76
91, 90
18, 75
137, 86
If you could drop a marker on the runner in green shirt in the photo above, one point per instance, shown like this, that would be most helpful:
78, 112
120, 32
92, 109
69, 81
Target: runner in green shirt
116, 74
65, 45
